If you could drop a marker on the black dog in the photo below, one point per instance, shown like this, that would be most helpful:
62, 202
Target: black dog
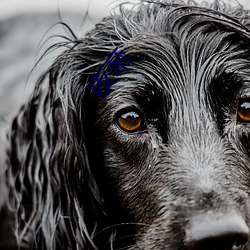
162, 162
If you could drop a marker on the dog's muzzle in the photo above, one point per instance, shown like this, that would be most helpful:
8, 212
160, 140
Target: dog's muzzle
217, 232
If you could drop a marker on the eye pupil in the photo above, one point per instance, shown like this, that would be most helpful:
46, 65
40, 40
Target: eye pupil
130, 122
243, 113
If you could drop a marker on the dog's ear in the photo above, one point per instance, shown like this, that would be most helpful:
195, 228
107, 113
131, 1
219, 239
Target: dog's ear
53, 197
51, 186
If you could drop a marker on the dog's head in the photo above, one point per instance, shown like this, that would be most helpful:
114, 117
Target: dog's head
163, 160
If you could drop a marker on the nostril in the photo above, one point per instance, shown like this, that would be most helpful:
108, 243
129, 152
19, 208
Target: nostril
241, 241
223, 242
222, 232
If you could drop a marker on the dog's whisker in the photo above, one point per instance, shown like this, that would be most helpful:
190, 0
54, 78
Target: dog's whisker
115, 226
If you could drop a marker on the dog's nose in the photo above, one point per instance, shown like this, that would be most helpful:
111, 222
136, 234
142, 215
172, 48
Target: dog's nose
217, 232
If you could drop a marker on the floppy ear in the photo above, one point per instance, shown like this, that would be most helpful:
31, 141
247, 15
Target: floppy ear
51, 186
54, 198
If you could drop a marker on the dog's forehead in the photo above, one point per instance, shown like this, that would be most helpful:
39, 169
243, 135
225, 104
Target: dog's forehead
188, 57
181, 55
190, 68
191, 38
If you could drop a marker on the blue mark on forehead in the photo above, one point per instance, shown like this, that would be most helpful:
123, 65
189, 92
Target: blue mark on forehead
103, 80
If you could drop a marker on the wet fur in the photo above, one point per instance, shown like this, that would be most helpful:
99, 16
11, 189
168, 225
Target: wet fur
78, 182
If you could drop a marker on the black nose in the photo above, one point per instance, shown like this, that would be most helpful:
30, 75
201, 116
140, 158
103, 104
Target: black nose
217, 232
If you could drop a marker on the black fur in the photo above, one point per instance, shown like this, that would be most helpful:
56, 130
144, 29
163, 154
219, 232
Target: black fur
77, 181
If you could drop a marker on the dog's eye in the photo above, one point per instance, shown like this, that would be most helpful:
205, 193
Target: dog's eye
130, 121
243, 113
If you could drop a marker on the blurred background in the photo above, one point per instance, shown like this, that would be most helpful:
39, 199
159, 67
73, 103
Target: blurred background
25, 26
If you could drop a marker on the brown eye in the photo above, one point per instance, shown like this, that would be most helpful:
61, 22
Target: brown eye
243, 113
130, 121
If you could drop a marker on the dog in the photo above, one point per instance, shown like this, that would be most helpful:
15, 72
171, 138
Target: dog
162, 162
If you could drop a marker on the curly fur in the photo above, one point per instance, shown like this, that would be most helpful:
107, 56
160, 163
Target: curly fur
75, 181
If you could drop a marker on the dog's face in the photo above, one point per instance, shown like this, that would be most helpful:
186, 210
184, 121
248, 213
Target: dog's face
174, 135
162, 162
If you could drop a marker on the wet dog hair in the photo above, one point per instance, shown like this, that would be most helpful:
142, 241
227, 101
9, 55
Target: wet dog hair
163, 156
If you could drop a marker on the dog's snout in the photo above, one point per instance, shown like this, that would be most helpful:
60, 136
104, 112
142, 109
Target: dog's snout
222, 232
